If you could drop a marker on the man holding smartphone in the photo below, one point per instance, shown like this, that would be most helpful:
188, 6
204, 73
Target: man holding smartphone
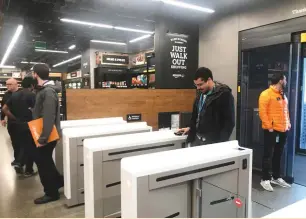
213, 116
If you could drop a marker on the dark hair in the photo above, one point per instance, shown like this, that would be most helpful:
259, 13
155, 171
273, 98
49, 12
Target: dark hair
204, 74
276, 78
42, 70
27, 82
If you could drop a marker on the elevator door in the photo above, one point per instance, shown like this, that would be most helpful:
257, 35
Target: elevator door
258, 66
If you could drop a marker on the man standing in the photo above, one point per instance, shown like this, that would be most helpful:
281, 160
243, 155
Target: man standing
12, 86
274, 114
18, 109
213, 116
47, 107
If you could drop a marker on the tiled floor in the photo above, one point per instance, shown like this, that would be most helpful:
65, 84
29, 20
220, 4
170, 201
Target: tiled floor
17, 194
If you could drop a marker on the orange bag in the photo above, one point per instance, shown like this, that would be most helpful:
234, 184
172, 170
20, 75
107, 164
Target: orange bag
36, 127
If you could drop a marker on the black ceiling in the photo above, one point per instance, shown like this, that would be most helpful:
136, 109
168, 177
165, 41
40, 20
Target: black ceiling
41, 20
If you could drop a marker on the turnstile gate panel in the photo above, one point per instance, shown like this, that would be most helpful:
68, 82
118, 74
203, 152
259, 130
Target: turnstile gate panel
73, 140
103, 166
58, 152
202, 181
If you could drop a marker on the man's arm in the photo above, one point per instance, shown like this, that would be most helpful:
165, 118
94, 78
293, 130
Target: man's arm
263, 111
3, 102
49, 113
7, 112
192, 131
227, 115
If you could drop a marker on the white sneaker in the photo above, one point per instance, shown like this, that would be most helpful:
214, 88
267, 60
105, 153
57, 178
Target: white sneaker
280, 182
266, 185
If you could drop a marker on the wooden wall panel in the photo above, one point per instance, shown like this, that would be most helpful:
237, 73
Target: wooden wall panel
90, 103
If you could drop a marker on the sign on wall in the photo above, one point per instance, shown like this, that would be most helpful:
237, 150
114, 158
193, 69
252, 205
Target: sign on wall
115, 59
178, 55
133, 117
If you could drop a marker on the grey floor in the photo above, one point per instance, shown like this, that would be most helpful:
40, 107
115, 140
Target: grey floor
17, 194
299, 169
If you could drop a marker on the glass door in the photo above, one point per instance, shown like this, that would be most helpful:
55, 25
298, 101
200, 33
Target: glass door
258, 66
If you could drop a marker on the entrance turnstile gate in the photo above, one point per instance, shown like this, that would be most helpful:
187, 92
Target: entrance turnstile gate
58, 152
73, 139
102, 158
205, 181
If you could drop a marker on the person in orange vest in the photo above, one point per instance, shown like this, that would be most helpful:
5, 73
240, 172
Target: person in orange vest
274, 114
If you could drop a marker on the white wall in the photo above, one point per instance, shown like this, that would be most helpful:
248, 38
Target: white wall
218, 41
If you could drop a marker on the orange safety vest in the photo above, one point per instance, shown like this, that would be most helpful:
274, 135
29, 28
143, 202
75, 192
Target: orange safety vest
273, 110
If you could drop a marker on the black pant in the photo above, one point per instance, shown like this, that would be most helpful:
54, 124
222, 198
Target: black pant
49, 176
13, 132
25, 145
274, 143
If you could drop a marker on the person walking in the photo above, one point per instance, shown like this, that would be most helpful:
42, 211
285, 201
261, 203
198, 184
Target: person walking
12, 86
18, 109
47, 107
213, 116
274, 114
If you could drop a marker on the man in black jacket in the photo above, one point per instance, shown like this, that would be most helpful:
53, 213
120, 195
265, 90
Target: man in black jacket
12, 86
18, 109
213, 116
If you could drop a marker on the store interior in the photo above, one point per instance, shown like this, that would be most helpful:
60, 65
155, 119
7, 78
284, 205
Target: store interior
136, 59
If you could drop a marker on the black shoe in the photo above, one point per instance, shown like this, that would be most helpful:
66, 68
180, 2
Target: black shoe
46, 199
29, 173
18, 168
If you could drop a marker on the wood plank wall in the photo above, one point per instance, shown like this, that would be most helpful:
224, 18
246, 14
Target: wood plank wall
96, 103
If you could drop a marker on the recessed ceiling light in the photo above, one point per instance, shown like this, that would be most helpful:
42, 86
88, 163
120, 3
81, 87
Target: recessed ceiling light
91, 24
108, 42
188, 6
69, 60
33, 63
140, 38
133, 30
86, 23
72, 47
12, 44
51, 51
7, 66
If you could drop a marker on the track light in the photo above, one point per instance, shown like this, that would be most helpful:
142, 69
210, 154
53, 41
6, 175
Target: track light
12, 44
188, 6
51, 51
140, 38
108, 42
69, 60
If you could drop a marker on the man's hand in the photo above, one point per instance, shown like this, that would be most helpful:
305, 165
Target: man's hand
3, 123
289, 127
40, 145
271, 130
184, 130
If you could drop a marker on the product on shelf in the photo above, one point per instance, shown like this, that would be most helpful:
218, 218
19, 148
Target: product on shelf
114, 84
139, 81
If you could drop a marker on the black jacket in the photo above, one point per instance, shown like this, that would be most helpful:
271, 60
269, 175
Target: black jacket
5, 98
20, 105
217, 118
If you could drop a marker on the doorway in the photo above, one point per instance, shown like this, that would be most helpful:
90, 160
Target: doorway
263, 51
